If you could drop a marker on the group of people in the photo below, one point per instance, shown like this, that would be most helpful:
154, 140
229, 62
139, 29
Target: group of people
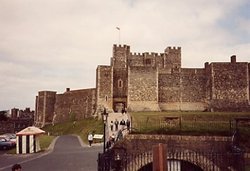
114, 126
117, 129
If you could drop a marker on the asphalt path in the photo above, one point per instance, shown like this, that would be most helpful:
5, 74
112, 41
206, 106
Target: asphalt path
68, 154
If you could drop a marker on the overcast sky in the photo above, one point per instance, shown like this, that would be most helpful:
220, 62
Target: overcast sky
55, 44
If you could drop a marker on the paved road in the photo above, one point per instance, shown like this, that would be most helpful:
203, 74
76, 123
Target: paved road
68, 155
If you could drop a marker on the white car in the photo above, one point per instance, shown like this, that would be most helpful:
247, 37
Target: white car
10, 136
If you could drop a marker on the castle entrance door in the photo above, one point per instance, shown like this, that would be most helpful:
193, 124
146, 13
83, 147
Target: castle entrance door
119, 106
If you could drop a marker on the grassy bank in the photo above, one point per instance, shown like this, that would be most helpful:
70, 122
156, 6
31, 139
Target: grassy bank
81, 128
191, 123
186, 122
45, 141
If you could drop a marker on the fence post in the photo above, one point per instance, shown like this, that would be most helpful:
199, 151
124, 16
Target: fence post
99, 164
159, 158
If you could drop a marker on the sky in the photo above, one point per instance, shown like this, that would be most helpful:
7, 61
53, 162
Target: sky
56, 44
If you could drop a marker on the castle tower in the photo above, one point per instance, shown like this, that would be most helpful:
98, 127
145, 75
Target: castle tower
120, 76
104, 88
14, 113
120, 55
45, 103
173, 57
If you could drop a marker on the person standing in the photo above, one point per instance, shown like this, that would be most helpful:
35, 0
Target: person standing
122, 123
128, 124
90, 139
116, 125
111, 125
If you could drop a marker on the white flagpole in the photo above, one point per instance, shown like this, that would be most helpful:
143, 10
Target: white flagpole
119, 34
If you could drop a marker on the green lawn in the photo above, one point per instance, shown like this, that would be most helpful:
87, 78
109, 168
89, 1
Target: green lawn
81, 128
45, 141
214, 122
191, 123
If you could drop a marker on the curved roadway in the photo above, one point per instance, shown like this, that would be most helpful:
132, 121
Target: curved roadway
69, 154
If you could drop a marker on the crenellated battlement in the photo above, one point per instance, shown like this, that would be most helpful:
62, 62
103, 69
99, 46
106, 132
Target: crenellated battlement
173, 49
147, 54
125, 47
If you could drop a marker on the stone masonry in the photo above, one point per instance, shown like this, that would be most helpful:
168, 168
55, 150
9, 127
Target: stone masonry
151, 82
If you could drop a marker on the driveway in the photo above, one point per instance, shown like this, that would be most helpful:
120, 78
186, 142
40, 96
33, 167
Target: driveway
68, 154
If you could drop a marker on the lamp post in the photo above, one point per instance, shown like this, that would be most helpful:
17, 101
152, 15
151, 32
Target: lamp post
104, 118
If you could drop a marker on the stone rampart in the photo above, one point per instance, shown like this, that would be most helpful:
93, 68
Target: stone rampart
153, 82
193, 84
74, 105
71, 105
230, 86
143, 89
169, 88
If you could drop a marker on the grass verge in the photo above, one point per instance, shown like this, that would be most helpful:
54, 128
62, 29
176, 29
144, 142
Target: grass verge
45, 141
80, 128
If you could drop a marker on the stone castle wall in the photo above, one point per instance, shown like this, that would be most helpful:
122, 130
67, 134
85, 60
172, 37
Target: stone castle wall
193, 89
169, 91
143, 89
74, 105
120, 82
71, 105
104, 87
230, 85
152, 82
45, 105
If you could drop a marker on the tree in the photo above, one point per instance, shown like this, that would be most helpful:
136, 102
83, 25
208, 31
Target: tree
3, 116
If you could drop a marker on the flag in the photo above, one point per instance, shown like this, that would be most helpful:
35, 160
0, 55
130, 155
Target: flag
118, 28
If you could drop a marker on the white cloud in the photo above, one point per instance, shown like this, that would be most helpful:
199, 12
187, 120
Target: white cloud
51, 45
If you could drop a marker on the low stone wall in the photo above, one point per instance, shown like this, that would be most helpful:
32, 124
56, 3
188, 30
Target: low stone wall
143, 106
183, 106
137, 143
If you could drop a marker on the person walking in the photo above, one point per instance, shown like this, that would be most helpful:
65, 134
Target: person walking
119, 135
90, 139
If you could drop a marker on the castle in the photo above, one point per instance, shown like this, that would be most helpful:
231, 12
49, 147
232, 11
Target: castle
151, 82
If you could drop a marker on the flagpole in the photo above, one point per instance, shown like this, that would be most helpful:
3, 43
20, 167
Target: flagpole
119, 34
